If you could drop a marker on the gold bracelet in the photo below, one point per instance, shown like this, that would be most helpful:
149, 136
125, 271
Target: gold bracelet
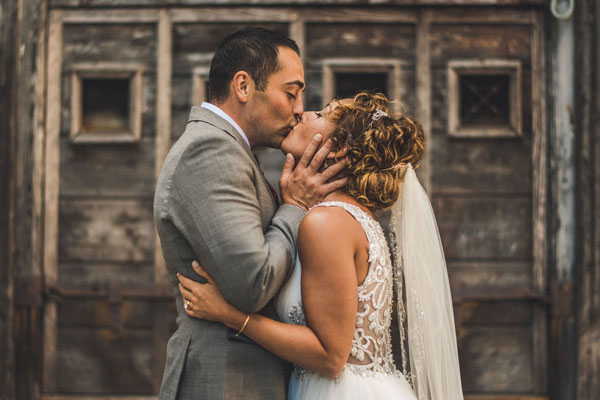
243, 326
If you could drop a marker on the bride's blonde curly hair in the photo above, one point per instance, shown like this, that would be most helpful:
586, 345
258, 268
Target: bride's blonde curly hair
378, 148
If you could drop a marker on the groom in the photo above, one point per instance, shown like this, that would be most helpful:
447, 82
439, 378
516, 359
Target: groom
213, 204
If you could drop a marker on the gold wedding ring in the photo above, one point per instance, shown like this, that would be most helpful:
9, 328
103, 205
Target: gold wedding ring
186, 305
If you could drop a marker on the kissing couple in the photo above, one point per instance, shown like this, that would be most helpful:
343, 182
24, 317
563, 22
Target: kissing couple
311, 281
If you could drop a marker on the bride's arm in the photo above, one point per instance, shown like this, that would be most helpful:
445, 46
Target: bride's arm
327, 245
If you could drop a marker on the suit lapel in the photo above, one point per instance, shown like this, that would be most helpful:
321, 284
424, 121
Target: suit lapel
202, 114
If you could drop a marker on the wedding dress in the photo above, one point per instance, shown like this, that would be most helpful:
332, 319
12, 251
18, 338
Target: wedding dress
425, 314
369, 372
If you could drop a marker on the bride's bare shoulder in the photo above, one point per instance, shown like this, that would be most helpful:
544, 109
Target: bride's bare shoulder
322, 222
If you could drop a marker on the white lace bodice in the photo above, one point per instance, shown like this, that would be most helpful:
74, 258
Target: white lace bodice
371, 350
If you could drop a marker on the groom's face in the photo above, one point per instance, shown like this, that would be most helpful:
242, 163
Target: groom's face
276, 110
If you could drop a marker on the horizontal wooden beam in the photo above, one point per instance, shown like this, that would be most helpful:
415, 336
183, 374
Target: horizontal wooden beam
158, 3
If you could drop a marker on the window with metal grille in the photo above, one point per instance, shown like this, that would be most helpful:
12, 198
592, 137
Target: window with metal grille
484, 98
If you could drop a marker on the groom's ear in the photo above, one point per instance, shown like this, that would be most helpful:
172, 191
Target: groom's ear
241, 84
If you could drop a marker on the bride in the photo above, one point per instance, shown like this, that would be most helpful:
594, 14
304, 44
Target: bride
336, 307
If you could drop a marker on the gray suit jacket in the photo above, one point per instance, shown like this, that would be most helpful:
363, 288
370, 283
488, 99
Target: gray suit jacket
212, 204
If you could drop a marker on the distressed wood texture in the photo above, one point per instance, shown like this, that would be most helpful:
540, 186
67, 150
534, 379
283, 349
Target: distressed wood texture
451, 42
155, 3
485, 195
134, 43
195, 43
488, 228
116, 230
22, 84
8, 31
588, 215
102, 361
107, 170
495, 359
481, 166
111, 47
360, 40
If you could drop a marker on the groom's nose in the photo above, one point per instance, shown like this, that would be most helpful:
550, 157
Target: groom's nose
298, 109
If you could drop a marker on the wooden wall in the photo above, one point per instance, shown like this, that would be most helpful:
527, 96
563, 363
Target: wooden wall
588, 148
488, 191
22, 72
7, 70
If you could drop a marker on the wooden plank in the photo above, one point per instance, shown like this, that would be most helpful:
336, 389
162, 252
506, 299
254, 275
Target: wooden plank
352, 40
103, 272
495, 359
162, 314
108, 170
195, 43
106, 230
497, 313
485, 228
90, 397
423, 95
110, 16
589, 363
26, 196
196, 3
482, 16
588, 215
298, 33
539, 193
52, 183
8, 33
494, 274
477, 41
243, 15
504, 397
102, 361
480, 166
124, 43
78, 313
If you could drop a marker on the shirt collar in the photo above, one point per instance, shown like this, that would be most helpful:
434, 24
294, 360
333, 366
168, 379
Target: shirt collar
227, 118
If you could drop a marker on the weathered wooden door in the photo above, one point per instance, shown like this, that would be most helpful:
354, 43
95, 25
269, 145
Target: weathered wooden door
120, 85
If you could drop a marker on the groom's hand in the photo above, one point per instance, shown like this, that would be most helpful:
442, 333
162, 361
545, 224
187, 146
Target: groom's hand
304, 186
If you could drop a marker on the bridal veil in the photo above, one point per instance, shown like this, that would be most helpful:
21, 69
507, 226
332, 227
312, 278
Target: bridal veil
419, 262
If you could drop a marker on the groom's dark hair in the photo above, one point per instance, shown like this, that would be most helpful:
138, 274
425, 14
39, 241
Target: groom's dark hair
253, 50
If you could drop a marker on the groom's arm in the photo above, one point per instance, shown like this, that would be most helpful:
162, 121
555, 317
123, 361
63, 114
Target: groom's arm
215, 206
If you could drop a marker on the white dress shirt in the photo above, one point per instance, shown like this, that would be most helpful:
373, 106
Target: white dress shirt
227, 118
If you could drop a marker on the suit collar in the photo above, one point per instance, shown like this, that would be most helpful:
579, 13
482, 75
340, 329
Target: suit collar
198, 113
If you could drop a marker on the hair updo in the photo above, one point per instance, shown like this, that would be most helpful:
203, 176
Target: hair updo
377, 148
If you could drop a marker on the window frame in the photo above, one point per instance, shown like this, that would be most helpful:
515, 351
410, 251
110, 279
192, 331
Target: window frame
134, 74
392, 67
511, 68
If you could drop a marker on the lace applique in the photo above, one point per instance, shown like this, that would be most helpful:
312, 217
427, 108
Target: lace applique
371, 351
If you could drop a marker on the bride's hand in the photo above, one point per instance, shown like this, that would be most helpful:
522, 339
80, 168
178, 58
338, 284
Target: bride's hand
204, 300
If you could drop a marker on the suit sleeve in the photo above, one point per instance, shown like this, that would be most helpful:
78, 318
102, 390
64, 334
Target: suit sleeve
215, 207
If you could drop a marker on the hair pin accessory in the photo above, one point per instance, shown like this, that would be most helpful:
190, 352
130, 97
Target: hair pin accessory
377, 115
